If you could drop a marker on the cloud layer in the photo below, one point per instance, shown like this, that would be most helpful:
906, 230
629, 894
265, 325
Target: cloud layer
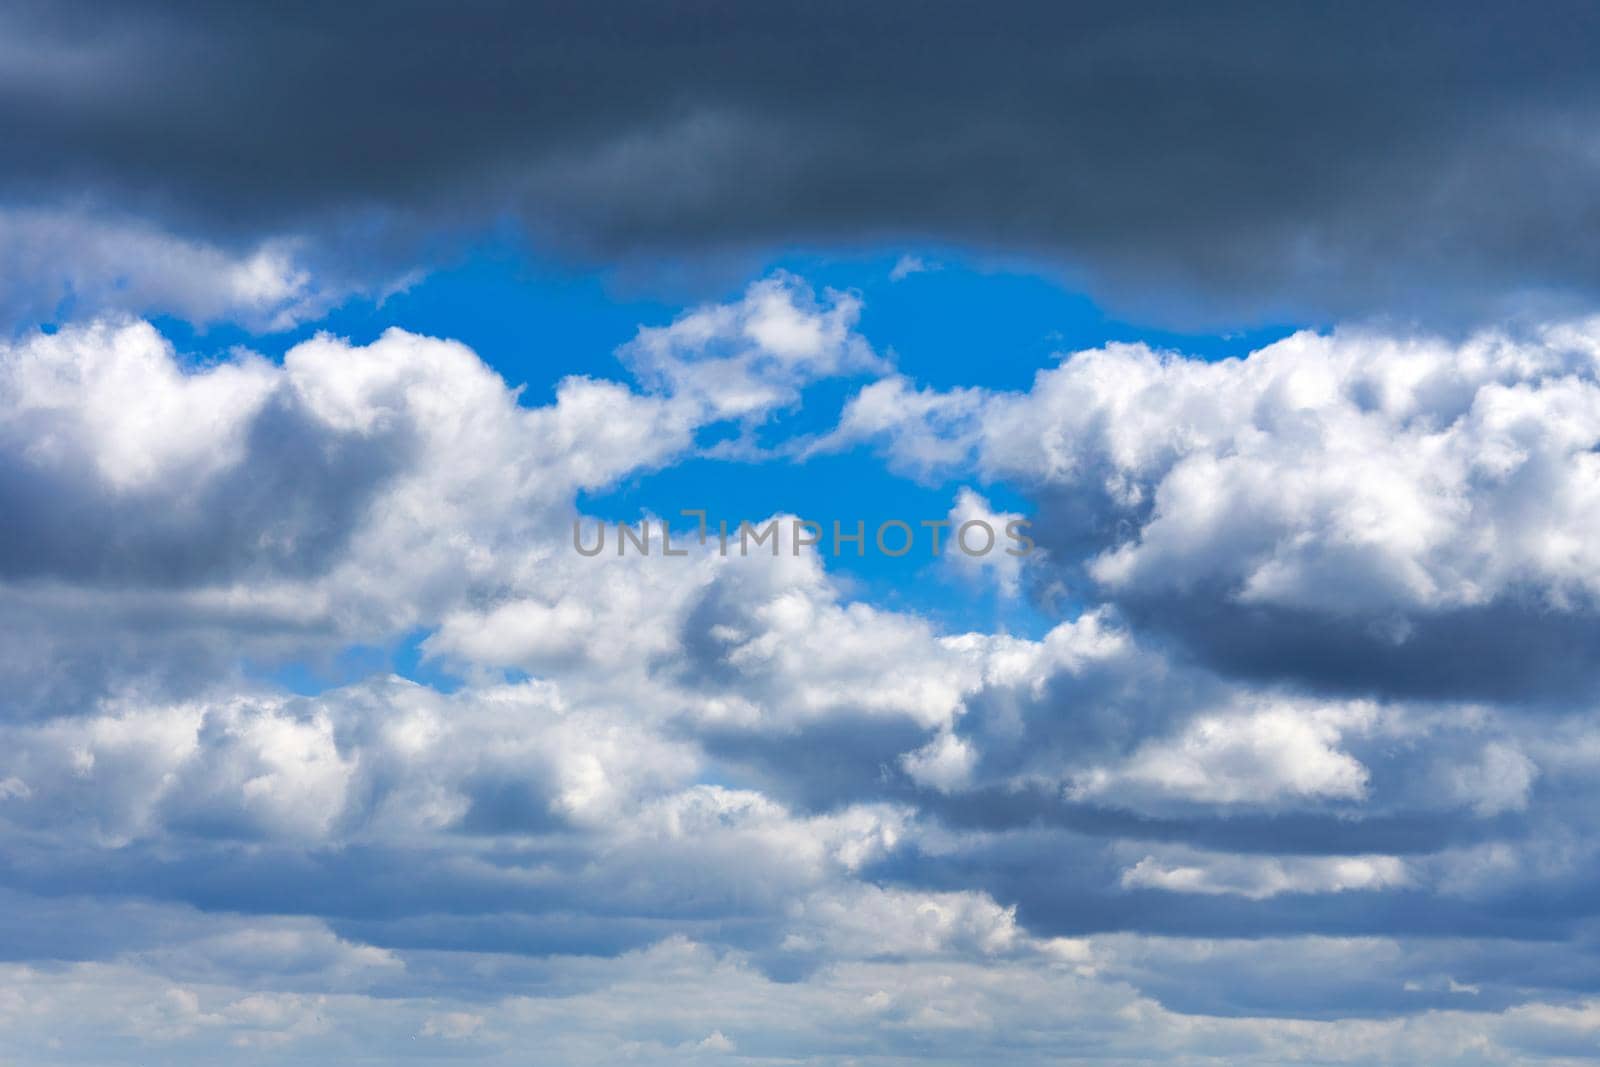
715, 808
1196, 165
1392, 515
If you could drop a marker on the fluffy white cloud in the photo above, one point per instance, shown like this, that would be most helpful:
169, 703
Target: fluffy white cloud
985, 542
1352, 489
1261, 755
1499, 779
945, 763
351, 492
1261, 877
62, 263
710, 809
742, 360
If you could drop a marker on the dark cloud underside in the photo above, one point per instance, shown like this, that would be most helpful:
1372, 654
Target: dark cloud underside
1207, 162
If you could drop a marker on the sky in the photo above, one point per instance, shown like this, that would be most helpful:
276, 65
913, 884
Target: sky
331, 335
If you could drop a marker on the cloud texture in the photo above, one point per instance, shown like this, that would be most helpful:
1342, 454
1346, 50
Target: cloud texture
712, 809
1236, 161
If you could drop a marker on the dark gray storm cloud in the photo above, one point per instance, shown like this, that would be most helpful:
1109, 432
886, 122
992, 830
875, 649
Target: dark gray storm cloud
1196, 162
